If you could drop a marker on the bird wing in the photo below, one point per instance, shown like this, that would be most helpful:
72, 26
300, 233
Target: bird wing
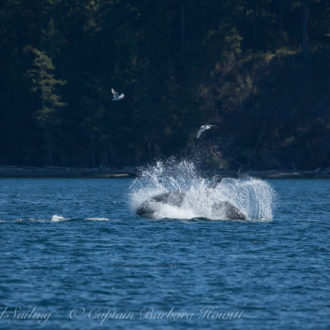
121, 96
199, 133
202, 129
115, 94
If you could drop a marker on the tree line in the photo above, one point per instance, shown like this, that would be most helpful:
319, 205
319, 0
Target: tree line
258, 69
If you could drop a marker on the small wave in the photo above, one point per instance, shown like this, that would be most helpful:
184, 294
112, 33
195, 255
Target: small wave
34, 219
58, 218
98, 219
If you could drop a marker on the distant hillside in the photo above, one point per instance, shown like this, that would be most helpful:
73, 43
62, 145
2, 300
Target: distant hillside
274, 112
257, 69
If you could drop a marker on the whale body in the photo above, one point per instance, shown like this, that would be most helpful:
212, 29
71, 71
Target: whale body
149, 207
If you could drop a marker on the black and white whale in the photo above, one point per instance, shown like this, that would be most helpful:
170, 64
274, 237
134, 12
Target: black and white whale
149, 207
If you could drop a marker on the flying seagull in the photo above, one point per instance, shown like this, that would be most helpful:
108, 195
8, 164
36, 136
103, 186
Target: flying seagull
116, 96
202, 129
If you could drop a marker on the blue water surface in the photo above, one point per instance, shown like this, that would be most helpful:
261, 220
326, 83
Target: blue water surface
74, 256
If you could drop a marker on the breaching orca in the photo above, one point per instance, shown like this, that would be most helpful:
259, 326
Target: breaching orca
148, 208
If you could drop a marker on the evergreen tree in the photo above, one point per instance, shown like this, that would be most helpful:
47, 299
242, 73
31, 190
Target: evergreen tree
45, 84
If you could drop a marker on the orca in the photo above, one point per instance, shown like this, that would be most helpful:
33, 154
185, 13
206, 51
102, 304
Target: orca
149, 207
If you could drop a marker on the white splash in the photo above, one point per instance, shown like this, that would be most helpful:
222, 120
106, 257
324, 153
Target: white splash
253, 197
57, 218
97, 219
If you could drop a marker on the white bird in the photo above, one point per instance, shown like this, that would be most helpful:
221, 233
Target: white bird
202, 129
116, 96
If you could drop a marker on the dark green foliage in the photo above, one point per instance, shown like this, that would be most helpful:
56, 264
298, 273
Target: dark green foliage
257, 68
44, 83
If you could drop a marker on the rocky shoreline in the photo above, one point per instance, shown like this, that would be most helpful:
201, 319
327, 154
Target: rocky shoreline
285, 174
63, 172
131, 172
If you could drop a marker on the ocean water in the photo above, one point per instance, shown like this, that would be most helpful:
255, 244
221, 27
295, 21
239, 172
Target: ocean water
73, 255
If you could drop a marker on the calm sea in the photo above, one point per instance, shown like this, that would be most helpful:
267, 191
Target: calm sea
74, 256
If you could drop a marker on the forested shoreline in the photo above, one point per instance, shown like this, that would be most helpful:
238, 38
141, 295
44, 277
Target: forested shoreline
257, 69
